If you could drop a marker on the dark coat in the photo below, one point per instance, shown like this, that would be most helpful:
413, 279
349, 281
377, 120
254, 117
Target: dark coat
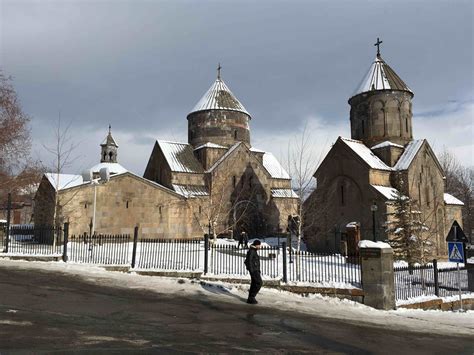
252, 261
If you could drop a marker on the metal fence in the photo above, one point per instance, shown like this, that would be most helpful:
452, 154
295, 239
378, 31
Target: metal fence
304, 266
100, 249
170, 254
229, 260
426, 280
31, 240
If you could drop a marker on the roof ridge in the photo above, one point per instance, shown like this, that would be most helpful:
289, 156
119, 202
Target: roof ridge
222, 158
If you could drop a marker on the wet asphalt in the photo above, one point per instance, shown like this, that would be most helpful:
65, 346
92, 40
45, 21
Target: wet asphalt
50, 312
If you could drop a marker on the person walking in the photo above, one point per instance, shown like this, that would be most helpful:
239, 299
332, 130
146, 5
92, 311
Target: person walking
252, 262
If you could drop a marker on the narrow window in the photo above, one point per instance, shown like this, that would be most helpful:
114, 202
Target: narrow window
363, 128
342, 195
159, 210
234, 180
105, 154
250, 182
200, 209
85, 205
110, 156
235, 134
126, 204
406, 123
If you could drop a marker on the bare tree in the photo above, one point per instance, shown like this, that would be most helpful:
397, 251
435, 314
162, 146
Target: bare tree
63, 152
302, 162
460, 183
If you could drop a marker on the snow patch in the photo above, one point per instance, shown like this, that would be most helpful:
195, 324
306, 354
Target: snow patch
371, 244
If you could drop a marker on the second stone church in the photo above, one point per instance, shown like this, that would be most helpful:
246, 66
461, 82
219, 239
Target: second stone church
359, 175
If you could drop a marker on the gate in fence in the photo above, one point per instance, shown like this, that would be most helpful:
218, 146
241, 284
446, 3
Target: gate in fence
31, 240
428, 279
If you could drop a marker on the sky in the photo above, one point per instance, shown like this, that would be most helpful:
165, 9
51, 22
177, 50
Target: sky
141, 66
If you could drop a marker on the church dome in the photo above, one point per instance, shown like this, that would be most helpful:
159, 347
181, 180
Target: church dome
218, 118
219, 97
380, 77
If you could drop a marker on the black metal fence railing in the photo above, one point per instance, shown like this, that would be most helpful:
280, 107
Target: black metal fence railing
100, 249
169, 254
426, 280
304, 266
30, 240
229, 260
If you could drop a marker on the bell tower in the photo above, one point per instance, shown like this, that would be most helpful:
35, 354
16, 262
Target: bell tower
108, 149
381, 106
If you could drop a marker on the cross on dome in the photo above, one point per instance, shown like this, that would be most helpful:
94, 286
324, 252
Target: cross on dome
219, 71
379, 42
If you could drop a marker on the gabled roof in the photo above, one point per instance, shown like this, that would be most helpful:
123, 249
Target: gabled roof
180, 157
451, 200
273, 166
219, 97
365, 154
408, 154
380, 77
63, 181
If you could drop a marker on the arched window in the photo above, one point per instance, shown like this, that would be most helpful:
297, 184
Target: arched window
235, 134
342, 195
111, 155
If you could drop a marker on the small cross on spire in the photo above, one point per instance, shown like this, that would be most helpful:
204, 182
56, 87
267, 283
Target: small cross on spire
219, 71
110, 128
379, 42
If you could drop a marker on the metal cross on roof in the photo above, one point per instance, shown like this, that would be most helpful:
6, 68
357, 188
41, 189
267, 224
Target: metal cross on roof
379, 42
110, 128
219, 71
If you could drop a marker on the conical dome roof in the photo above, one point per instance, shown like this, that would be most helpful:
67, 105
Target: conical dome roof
219, 97
380, 77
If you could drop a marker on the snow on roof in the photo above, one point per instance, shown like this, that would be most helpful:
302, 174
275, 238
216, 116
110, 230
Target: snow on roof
64, 181
191, 191
380, 77
114, 168
366, 154
210, 145
180, 157
371, 244
273, 166
387, 191
386, 144
409, 154
255, 150
283, 193
451, 200
219, 97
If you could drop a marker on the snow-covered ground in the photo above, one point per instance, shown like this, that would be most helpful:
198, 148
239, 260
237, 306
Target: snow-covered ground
436, 322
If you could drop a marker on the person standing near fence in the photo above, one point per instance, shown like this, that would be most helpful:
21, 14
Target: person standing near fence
252, 262
243, 240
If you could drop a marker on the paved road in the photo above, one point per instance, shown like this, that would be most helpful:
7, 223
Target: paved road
45, 312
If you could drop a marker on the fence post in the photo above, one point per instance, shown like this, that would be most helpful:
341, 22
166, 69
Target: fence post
135, 241
435, 273
206, 253
285, 272
7, 234
66, 240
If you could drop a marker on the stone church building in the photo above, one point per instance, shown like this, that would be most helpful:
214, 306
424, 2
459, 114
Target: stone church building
359, 175
215, 182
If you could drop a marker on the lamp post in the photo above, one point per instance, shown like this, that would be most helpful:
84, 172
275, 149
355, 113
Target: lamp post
374, 209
